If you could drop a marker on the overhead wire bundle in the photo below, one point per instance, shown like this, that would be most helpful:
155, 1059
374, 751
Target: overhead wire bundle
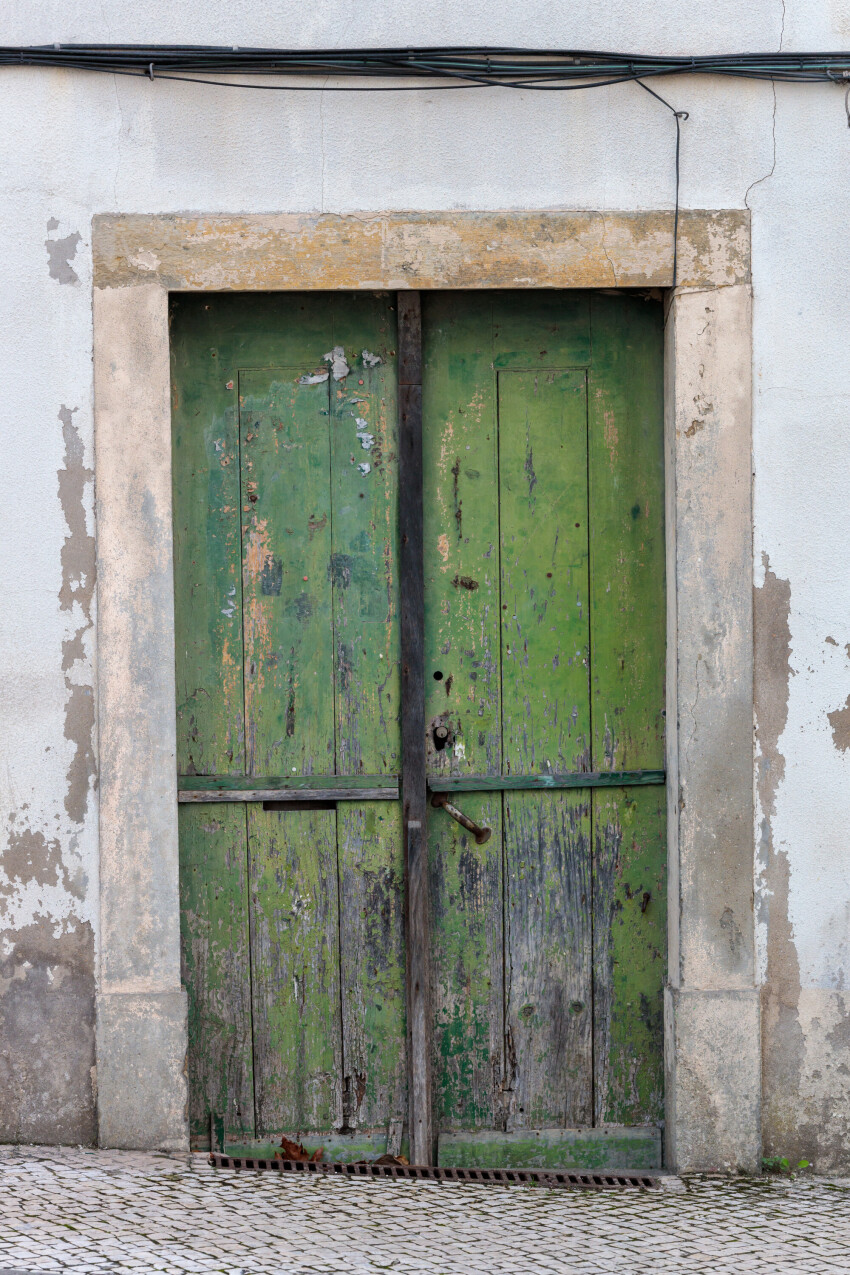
466, 67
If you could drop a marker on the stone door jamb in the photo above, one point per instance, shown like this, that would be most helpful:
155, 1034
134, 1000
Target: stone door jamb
712, 1037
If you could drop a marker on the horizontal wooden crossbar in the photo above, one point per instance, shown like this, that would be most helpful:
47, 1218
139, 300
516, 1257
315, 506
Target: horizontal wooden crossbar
267, 792
193, 788
578, 779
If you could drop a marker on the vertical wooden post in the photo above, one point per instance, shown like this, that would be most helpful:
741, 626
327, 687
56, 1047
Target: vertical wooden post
413, 786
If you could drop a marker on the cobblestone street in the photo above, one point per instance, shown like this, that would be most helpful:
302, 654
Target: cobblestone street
101, 1212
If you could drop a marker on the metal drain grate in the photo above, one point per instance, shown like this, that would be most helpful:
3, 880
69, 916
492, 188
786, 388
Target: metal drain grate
420, 1173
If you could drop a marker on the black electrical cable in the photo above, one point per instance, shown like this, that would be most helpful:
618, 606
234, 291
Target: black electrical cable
678, 117
471, 66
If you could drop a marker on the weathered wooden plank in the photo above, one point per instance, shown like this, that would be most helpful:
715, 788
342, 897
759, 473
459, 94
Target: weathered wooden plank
295, 970
603, 1149
287, 588
414, 795
513, 783
461, 537
626, 474
371, 874
364, 574
363, 566
207, 572
544, 561
546, 725
626, 471
296, 783
548, 959
216, 969
630, 943
285, 794
466, 906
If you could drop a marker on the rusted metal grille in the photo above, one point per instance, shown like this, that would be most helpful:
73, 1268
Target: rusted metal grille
563, 1178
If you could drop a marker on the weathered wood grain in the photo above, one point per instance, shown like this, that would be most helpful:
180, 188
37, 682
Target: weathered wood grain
216, 969
578, 779
295, 970
371, 873
466, 904
297, 784
414, 795
461, 537
626, 470
207, 550
630, 940
544, 560
295, 796
548, 959
287, 586
363, 564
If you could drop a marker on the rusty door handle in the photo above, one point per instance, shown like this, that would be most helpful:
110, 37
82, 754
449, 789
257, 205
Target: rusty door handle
441, 801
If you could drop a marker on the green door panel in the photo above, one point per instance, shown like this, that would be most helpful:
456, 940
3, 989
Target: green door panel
628, 633
461, 535
207, 562
371, 935
363, 562
468, 966
217, 967
295, 973
548, 986
544, 558
286, 548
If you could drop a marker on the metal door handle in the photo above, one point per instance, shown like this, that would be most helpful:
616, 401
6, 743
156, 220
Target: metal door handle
441, 801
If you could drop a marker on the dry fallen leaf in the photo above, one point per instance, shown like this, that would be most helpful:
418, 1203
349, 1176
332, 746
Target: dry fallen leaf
290, 1150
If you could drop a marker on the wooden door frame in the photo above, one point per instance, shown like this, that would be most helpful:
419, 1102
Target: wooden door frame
712, 1034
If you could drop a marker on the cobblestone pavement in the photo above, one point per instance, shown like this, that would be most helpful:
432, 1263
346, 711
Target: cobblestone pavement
111, 1211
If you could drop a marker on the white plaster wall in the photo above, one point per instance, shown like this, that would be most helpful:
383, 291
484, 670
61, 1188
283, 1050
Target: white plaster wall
73, 145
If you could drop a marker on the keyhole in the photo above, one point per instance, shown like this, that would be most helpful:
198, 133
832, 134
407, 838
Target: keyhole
441, 737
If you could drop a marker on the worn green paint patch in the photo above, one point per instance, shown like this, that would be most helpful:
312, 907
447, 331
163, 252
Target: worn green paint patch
627, 548
286, 537
552, 1149
295, 969
363, 567
626, 474
544, 567
216, 972
371, 877
630, 943
207, 556
467, 965
460, 530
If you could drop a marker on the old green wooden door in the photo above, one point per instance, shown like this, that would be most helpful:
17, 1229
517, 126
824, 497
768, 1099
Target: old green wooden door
544, 645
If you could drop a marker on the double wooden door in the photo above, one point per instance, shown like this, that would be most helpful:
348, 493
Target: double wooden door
543, 665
